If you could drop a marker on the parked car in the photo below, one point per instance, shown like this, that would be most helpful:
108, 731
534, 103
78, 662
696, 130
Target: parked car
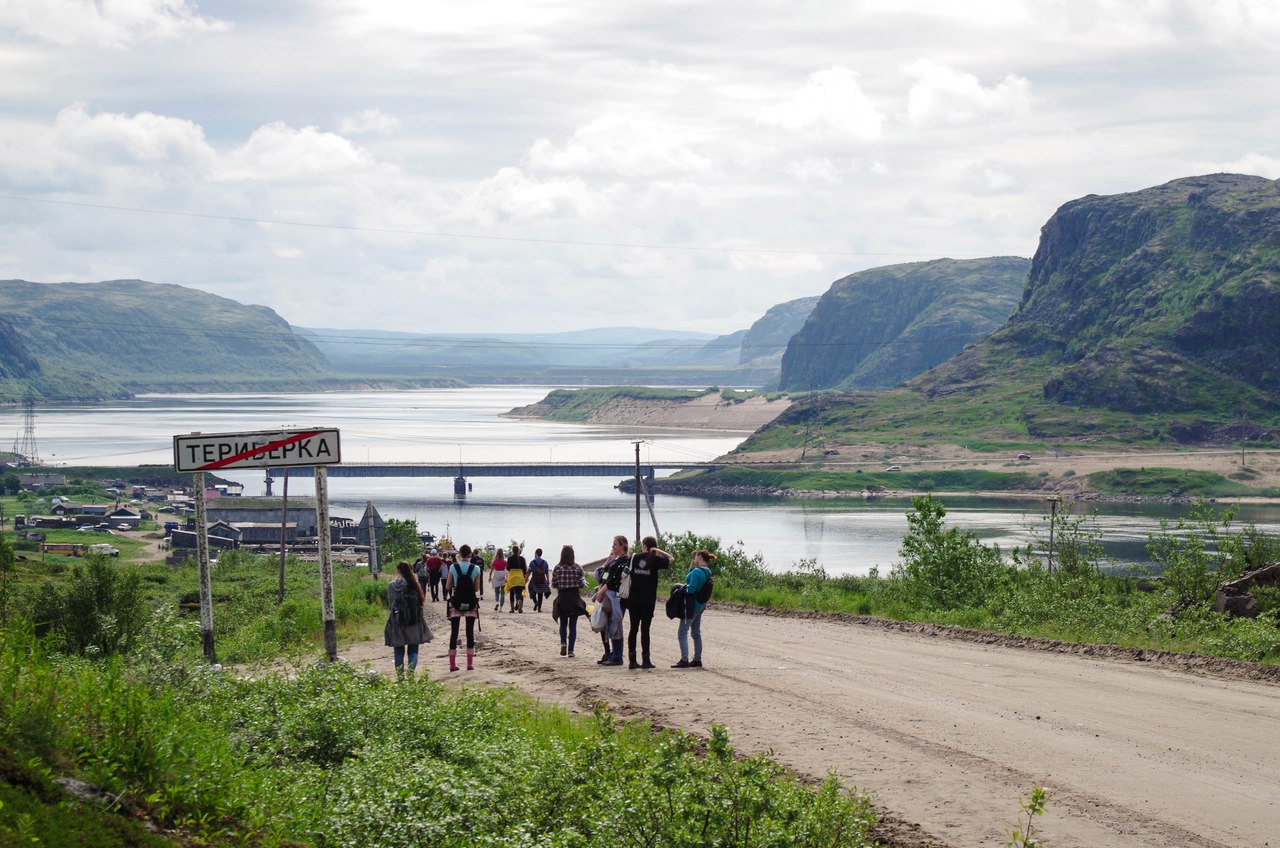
894, 468
105, 550
1024, 456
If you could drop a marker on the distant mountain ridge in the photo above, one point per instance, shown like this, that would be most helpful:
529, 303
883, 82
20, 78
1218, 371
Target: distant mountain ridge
877, 328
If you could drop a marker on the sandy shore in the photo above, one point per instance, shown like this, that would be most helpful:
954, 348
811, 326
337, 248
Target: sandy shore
946, 733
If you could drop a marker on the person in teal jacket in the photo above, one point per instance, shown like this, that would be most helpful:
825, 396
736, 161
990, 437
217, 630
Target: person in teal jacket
698, 576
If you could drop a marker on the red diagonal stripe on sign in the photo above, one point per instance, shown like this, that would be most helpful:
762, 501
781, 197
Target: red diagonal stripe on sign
270, 446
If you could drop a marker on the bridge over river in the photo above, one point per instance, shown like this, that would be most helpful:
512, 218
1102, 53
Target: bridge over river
461, 471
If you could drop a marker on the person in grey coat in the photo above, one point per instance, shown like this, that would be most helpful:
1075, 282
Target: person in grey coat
404, 639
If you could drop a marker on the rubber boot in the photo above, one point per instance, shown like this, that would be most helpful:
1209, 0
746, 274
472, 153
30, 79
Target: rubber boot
631, 655
453, 660
471, 659
615, 657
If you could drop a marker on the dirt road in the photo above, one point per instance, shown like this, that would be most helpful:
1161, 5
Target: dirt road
944, 734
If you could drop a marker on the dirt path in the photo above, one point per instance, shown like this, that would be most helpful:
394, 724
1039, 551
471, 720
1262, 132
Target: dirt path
945, 734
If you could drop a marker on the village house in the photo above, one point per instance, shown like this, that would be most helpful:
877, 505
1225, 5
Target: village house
31, 482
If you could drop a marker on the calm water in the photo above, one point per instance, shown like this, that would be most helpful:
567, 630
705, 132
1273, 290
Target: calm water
449, 425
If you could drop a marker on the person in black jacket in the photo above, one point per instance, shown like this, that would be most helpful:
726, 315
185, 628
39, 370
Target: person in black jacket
643, 596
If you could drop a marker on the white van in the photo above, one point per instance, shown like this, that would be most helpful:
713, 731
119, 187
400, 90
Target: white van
104, 550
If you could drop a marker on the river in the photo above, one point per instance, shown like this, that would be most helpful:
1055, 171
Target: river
466, 425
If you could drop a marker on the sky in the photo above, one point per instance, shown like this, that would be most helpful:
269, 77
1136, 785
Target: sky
546, 165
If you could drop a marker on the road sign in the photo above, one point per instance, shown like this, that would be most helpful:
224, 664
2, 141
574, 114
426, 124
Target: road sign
271, 449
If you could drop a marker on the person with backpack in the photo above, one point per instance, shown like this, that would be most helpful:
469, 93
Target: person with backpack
406, 627
462, 591
539, 580
642, 597
568, 580
435, 573
610, 576
477, 559
697, 592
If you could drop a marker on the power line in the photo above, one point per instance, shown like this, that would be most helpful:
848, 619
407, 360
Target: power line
245, 219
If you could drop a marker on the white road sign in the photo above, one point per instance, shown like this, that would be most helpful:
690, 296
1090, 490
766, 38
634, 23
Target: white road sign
271, 449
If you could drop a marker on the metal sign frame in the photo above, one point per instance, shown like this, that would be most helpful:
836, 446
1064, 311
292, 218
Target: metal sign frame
196, 452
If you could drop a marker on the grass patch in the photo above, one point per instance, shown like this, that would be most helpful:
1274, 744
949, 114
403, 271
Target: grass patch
337, 756
1173, 482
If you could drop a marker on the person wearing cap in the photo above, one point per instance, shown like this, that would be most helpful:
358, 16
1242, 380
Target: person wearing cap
698, 576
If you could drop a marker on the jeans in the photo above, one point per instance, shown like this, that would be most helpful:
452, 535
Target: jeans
399, 651
499, 595
569, 626
694, 624
435, 587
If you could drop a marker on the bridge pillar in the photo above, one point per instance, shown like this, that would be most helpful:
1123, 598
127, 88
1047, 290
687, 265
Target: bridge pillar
460, 488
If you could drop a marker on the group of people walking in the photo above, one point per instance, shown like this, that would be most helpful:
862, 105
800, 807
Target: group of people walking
626, 589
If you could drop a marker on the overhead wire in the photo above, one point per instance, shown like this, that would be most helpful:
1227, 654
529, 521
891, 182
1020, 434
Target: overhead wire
248, 219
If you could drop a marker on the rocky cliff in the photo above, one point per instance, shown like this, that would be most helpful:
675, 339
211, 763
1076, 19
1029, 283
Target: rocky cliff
1161, 300
877, 328
767, 338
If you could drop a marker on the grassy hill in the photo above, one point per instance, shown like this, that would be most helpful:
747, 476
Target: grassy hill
104, 340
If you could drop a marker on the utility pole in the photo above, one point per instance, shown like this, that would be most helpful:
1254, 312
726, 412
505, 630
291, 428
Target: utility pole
639, 488
1053, 523
284, 538
25, 445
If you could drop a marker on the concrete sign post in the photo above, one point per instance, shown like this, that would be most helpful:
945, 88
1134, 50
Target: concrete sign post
206, 586
326, 564
201, 452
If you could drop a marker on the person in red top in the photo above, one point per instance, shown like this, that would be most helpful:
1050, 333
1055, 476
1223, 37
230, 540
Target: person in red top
435, 571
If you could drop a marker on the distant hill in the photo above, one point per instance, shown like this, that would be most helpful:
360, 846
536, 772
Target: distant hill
766, 340
1152, 316
877, 328
391, 352
105, 340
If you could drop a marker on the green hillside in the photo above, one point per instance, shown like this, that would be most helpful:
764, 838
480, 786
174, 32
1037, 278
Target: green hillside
1147, 317
106, 340
877, 328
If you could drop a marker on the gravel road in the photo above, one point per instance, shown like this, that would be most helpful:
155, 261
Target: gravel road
945, 733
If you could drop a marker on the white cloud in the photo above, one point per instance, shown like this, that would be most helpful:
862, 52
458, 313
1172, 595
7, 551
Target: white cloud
820, 169
776, 264
1253, 162
144, 137
277, 152
944, 96
112, 23
371, 122
831, 102
511, 196
624, 144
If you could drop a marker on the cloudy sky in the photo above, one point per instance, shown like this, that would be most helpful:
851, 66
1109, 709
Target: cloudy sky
558, 164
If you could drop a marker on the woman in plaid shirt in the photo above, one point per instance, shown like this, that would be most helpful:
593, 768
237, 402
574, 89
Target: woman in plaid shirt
567, 579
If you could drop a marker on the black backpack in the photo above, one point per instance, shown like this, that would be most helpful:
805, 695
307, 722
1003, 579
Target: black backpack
464, 589
406, 609
704, 593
